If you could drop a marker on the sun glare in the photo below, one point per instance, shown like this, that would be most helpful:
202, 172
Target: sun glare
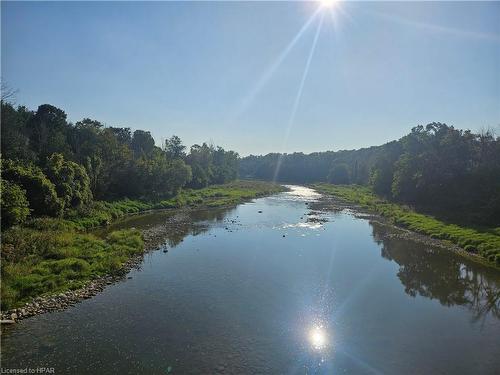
318, 338
327, 3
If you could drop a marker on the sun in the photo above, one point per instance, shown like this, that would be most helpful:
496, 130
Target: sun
327, 3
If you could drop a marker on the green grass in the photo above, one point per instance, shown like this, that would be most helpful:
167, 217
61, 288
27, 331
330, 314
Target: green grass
36, 262
485, 243
221, 195
52, 255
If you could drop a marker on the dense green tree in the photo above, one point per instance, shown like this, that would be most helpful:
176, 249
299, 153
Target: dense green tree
117, 164
199, 177
61, 165
106, 155
142, 143
201, 162
123, 135
174, 148
94, 167
437, 168
381, 177
40, 191
211, 165
158, 176
86, 139
14, 204
15, 140
225, 165
179, 174
70, 179
339, 175
406, 176
48, 131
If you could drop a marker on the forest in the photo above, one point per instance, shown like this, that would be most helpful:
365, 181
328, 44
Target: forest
51, 167
436, 168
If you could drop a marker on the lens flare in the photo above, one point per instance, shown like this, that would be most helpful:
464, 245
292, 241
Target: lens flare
271, 70
297, 100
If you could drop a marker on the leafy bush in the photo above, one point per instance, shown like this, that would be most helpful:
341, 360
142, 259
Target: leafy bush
15, 207
70, 179
40, 191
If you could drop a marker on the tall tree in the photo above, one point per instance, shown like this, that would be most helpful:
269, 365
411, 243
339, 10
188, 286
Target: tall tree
174, 148
142, 143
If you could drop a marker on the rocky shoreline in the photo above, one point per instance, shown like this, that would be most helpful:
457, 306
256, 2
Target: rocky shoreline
64, 300
153, 238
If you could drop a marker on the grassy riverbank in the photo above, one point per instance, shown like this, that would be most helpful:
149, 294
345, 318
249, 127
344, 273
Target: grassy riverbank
482, 242
53, 255
101, 213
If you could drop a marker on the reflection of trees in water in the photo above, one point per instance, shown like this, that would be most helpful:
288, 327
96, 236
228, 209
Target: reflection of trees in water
438, 274
211, 215
199, 222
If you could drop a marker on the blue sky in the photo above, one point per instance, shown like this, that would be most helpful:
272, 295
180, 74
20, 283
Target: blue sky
211, 71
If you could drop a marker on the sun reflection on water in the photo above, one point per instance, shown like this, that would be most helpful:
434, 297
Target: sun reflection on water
318, 338
300, 193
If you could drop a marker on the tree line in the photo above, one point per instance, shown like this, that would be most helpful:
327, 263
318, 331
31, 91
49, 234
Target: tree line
436, 168
50, 165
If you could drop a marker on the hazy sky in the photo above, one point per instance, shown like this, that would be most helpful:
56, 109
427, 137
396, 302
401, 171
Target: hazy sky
222, 72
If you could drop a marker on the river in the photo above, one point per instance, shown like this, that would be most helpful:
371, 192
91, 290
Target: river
274, 287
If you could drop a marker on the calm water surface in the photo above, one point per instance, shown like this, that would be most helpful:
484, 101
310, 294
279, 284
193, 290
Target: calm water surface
277, 292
